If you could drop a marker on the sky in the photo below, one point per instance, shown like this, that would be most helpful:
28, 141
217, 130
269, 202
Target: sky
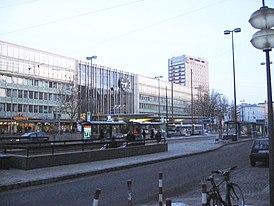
138, 36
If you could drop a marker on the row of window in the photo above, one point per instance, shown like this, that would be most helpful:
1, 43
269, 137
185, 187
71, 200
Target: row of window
7, 107
24, 94
34, 82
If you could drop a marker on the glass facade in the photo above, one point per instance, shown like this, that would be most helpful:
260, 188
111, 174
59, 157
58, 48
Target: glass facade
101, 92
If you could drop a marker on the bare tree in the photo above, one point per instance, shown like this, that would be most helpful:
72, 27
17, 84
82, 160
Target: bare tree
69, 102
210, 104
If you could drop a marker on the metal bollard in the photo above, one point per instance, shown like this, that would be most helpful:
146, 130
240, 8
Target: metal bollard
96, 197
129, 198
204, 195
168, 202
160, 189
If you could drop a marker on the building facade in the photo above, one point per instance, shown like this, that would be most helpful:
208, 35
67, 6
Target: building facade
163, 99
188, 71
104, 91
30, 85
42, 91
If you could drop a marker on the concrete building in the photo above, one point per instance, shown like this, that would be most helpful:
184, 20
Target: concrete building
188, 71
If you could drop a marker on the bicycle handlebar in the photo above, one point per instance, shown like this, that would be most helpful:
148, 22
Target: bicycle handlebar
222, 171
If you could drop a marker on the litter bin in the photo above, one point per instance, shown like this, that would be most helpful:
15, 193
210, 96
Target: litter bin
4, 161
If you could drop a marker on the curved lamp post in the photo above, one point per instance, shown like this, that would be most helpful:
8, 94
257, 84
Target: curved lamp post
234, 78
263, 39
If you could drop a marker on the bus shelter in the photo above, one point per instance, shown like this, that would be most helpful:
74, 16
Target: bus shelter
104, 129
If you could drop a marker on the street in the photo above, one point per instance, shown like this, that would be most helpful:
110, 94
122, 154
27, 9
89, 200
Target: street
182, 178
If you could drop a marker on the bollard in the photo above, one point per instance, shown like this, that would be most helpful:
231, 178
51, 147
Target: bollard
168, 202
204, 196
96, 197
129, 199
160, 189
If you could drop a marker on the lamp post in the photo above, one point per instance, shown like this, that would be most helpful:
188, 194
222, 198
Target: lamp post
242, 101
226, 32
88, 95
159, 111
263, 39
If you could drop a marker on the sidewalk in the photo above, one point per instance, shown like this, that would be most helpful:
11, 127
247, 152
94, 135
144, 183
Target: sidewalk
15, 178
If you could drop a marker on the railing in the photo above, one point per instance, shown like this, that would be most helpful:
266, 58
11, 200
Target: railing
63, 146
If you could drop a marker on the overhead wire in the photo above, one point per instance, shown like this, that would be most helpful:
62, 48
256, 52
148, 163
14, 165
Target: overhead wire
72, 17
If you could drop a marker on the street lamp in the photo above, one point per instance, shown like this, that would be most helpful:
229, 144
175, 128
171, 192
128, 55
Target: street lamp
226, 32
159, 112
88, 108
263, 39
242, 101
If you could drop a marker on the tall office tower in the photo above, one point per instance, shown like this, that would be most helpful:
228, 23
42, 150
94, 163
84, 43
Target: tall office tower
186, 70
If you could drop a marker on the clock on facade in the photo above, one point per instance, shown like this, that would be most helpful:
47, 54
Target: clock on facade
125, 83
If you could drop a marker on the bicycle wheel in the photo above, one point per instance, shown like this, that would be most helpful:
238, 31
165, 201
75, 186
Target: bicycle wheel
214, 200
236, 195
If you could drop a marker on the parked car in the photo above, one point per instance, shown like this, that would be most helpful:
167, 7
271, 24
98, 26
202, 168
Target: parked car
34, 136
259, 151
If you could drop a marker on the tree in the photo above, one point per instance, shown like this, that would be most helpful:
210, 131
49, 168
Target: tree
69, 102
210, 104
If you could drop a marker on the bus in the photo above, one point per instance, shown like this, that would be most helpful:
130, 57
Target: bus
185, 129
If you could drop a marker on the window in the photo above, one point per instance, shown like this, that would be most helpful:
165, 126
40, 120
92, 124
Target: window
35, 95
25, 108
31, 108
8, 107
46, 96
41, 95
35, 109
20, 94
14, 93
45, 109
8, 92
26, 94
20, 107
2, 107
2, 92
31, 94
40, 109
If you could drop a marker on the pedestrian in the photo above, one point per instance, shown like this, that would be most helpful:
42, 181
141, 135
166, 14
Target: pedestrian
152, 133
144, 134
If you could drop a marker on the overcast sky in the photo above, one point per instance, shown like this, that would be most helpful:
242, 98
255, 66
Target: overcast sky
139, 36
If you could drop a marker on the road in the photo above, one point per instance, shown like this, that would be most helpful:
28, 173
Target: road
180, 177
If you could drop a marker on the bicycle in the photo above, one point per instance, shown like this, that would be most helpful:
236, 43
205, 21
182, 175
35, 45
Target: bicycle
232, 194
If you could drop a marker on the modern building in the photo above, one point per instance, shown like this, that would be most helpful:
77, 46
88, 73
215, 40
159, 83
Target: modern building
173, 100
188, 71
31, 82
42, 91
104, 91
